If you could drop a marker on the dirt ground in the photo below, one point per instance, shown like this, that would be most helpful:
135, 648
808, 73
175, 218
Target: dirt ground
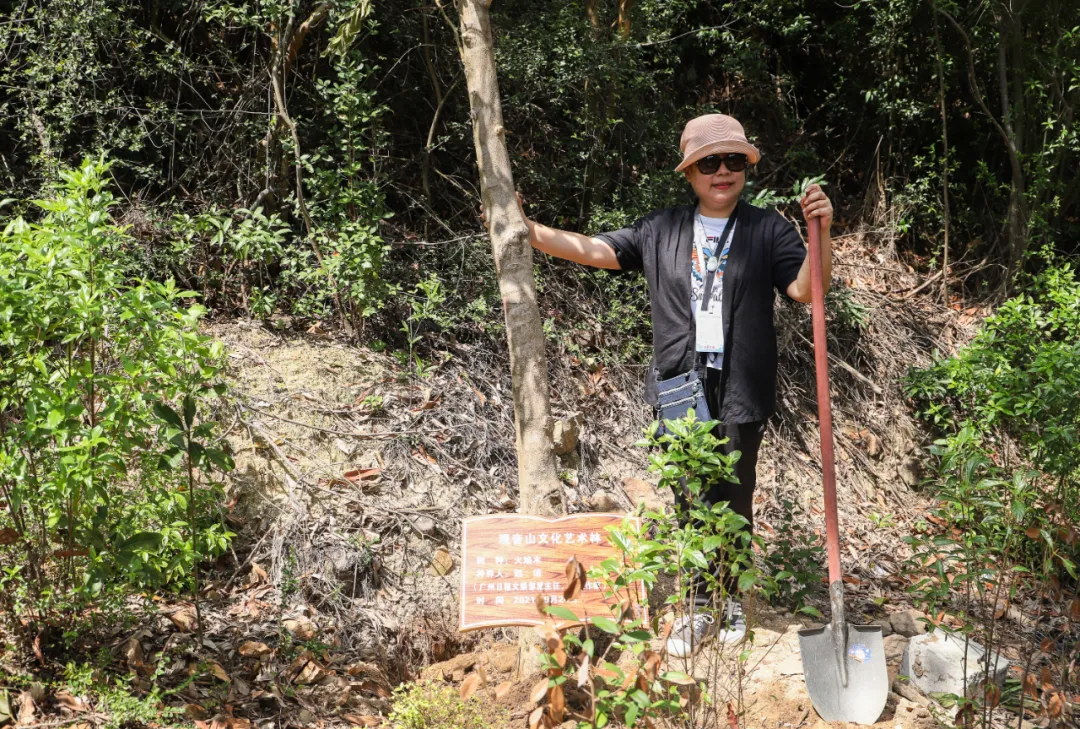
771, 693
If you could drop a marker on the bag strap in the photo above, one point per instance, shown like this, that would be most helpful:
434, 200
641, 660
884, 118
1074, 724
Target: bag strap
722, 246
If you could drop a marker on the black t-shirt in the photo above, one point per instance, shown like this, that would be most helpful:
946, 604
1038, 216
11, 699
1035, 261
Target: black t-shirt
766, 253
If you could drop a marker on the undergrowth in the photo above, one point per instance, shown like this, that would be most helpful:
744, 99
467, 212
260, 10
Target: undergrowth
1002, 545
106, 461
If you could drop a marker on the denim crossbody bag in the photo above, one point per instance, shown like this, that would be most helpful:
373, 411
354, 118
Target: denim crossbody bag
676, 395
680, 393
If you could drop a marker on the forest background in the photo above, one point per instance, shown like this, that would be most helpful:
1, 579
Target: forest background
310, 165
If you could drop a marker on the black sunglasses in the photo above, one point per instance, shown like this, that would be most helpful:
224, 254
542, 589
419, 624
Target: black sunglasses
709, 165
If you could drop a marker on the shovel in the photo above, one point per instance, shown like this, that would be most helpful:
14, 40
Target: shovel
844, 665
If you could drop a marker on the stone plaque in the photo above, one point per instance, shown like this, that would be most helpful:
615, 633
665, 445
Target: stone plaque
509, 559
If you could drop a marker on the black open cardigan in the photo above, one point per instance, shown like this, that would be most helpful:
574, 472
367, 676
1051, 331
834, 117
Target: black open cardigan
766, 254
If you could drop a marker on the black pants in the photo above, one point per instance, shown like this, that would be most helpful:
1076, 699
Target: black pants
742, 437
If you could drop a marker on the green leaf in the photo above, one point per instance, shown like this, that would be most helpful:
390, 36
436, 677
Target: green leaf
198, 454
713, 543
55, 418
169, 415
189, 410
631, 714
698, 559
220, 458
607, 625
678, 677
171, 459
140, 542
561, 612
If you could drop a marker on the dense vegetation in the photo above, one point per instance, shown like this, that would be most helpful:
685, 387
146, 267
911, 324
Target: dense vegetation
262, 147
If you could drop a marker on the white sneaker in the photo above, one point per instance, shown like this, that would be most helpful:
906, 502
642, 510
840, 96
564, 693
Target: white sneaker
690, 632
734, 623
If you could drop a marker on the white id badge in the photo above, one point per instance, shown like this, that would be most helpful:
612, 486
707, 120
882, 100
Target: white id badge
710, 331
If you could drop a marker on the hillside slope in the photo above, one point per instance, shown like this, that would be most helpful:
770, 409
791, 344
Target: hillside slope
353, 473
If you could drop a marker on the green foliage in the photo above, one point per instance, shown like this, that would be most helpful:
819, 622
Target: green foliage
686, 544
795, 562
849, 313
118, 699
344, 196
1008, 406
90, 359
436, 705
995, 538
250, 243
687, 459
1020, 378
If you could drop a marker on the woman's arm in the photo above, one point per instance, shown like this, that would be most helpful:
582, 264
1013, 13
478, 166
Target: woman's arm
566, 244
815, 204
572, 246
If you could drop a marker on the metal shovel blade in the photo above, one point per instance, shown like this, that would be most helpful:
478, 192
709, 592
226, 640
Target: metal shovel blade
862, 698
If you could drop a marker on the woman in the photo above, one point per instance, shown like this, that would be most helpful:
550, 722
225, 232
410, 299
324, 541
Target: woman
711, 270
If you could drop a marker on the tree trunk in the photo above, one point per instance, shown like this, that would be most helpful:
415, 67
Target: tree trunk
539, 491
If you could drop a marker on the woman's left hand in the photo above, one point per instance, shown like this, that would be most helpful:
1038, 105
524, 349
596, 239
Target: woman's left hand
815, 204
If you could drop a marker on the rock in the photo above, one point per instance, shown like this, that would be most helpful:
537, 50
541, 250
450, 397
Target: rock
934, 664
133, 653
441, 562
895, 645
504, 658
910, 471
424, 524
603, 501
909, 692
254, 649
642, 492
566, 433
300, 628
907, 622
886, 626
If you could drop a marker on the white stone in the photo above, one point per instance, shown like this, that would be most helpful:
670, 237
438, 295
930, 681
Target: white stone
934, 664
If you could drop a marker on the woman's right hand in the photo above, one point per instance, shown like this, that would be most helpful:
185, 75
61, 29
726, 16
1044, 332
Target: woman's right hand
521, 207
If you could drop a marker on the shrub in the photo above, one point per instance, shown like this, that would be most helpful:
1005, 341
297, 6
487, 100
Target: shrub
1018, 379
640, 688
1003, 536
96, 494
433, 705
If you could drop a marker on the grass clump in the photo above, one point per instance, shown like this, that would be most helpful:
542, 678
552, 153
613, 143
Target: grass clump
435, 705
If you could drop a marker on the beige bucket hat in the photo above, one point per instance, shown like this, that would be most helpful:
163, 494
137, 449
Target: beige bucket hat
714, 134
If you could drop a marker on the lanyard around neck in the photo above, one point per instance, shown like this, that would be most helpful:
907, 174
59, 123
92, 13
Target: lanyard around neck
723, 246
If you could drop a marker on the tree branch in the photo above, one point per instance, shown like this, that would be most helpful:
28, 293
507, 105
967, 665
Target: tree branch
306, 27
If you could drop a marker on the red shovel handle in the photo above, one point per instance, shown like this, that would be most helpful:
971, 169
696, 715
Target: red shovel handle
821, 365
